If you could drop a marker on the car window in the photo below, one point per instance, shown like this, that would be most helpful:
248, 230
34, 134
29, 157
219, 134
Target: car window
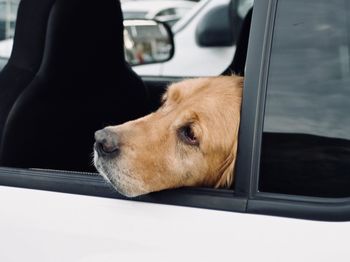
306, 133
45, 109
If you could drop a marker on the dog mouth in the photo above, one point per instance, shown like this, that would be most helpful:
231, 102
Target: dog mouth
121, 181
102, 169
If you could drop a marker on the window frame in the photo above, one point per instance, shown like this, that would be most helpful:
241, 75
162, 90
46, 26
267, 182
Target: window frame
249, 150
91, 184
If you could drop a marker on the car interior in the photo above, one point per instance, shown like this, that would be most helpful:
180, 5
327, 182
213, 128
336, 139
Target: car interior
83, 83
26, 55
77, 84
68, 78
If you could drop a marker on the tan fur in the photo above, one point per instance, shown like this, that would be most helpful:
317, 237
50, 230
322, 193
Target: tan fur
153, 157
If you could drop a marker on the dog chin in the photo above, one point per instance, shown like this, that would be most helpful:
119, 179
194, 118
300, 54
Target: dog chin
115, 179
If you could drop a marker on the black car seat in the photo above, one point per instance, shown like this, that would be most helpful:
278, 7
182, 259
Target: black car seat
26, 54
238, 63
82, 85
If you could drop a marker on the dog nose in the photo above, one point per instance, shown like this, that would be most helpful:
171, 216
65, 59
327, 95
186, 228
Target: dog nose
106, 143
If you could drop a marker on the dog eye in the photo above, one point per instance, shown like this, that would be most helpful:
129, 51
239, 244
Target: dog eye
188, 136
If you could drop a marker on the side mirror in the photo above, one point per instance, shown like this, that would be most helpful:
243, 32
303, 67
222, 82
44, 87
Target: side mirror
147, 42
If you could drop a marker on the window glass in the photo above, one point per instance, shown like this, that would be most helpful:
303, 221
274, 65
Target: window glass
306, 139
8, 12
44, 114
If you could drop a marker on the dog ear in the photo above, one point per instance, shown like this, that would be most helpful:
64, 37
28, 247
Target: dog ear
240, 80
227, 170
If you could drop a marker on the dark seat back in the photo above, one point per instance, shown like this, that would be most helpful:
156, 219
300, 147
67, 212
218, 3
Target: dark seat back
83, 85
238, 64
26, 54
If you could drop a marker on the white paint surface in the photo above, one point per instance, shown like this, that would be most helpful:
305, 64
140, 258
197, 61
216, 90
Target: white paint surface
47, 226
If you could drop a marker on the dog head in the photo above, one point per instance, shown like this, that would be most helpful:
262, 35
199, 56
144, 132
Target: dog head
191, 140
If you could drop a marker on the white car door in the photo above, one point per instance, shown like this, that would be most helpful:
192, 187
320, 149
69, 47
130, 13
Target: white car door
48, 226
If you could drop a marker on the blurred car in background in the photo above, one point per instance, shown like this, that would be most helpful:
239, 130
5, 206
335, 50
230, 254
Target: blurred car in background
165, 11
8, 13
205, 35
5, 51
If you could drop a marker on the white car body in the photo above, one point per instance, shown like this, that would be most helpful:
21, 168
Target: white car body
186, 46
46, 226
151, 8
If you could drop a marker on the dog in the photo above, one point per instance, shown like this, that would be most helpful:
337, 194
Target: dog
191, 140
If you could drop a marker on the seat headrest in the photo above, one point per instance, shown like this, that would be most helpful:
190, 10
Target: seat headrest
84, 34
30, 31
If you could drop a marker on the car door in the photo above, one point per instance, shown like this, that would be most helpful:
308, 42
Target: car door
71, 216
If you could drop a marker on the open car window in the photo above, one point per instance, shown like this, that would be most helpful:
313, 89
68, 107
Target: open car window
66, 98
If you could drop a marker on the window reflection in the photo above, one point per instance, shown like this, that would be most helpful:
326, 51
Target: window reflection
306, 141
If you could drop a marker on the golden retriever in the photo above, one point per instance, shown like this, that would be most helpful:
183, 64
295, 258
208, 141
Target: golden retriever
191, 140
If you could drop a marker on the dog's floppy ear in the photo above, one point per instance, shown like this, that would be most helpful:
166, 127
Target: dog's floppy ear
240, 80
227, 169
